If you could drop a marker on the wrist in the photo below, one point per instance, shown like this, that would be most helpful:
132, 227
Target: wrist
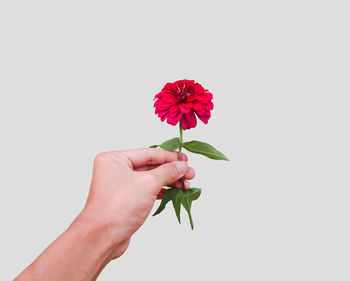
97, 233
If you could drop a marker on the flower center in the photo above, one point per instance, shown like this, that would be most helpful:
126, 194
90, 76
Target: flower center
182, 93
183, 96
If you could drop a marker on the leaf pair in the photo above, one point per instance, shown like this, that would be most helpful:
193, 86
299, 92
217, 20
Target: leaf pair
195, 147
179, 197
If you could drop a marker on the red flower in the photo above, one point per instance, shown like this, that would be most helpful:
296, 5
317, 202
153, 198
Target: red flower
184, 99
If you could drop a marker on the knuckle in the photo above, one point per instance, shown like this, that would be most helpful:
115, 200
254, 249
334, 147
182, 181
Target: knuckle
173, 172
100, 157
103, 157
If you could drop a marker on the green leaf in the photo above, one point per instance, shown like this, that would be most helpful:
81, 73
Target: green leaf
204, 149
171, 144
177, 199
189, 196
153, 146
167, 196
193, 193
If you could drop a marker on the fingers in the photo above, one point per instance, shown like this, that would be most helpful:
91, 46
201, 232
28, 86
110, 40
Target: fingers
178, 184
168, 173
151, 156
190, 174
146, 168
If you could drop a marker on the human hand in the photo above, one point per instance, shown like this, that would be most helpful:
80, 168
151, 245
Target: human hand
124, 187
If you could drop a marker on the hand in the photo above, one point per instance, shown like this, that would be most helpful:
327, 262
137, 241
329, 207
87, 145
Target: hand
124, 187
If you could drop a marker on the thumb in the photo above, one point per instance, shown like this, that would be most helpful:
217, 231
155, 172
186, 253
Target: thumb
169, 173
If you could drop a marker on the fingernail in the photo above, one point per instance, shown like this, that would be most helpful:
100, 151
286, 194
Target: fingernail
181, 167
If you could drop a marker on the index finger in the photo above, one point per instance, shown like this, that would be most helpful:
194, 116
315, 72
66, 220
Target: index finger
151, 156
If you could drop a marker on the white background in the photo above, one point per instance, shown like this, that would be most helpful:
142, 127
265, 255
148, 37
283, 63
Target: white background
78, 78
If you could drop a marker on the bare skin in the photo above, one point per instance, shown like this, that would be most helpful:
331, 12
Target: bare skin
124, 187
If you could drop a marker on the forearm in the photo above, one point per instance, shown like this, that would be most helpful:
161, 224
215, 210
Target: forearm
79, 254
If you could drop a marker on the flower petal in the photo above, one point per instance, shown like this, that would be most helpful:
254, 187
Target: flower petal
170, 88
204, 117
174, 108
198, 108
174, 119
189, 121
168, 98
204, 97
185, 108
159, 105
198, 88
208, 106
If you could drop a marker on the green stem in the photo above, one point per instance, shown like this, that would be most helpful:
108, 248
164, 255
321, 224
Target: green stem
180, 149
191, 220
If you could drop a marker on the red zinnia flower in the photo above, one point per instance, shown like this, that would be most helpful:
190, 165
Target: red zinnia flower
182, 100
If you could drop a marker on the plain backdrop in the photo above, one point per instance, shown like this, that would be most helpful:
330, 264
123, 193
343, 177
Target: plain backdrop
79, 77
